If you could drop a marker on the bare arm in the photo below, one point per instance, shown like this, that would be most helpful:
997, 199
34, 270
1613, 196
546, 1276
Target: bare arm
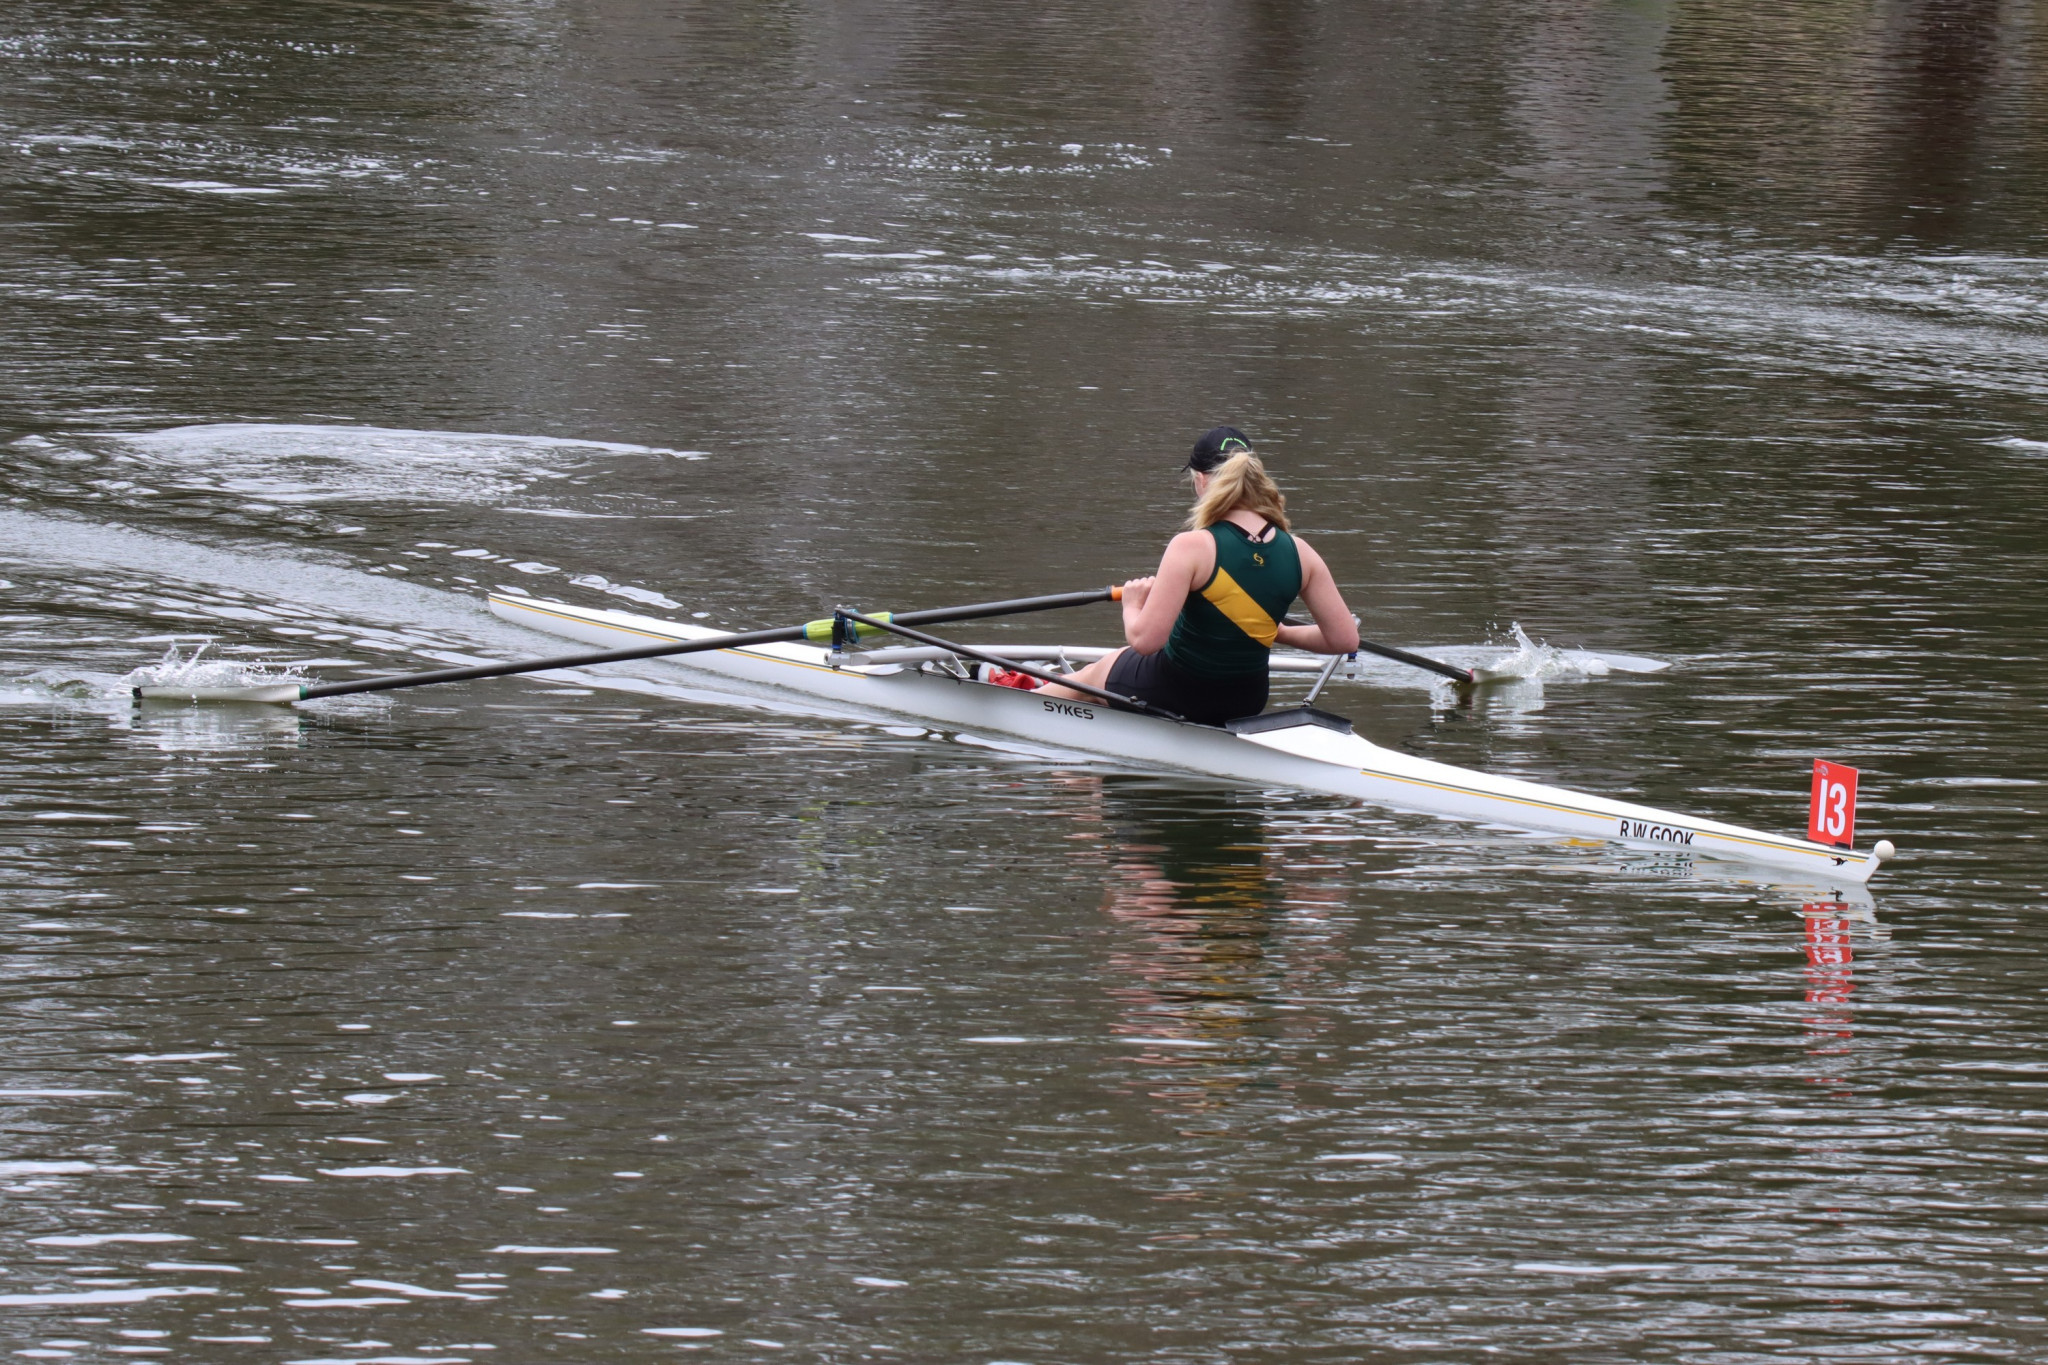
1334, 631
1151, 605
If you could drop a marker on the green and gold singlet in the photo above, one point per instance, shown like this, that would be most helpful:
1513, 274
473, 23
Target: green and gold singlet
1227, 628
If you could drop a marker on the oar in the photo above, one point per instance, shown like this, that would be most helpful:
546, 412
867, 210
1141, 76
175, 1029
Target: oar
1469, 677
895, 627
819, 632
1463, 676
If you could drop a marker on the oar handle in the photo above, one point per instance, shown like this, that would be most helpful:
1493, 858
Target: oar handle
1451, 671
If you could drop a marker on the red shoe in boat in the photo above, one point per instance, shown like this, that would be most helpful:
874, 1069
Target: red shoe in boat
1005, 677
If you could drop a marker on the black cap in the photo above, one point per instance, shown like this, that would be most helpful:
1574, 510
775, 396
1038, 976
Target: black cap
1217, 445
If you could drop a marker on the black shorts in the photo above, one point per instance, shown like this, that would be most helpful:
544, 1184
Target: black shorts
1206, 701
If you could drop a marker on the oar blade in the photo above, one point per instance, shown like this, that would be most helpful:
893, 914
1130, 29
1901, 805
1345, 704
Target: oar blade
274, 693
1628, 663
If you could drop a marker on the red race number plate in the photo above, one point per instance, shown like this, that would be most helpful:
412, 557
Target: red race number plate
1832, 817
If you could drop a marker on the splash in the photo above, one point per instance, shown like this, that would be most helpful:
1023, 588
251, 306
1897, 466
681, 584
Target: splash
1535, 661
177, 669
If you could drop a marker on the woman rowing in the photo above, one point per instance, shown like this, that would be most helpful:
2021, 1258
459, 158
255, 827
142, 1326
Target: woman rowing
1200, 629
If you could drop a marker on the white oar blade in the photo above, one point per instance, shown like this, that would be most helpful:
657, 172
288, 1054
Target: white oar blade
1629, 663
274, 693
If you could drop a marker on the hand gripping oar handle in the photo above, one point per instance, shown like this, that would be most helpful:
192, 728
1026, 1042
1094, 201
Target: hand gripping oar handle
895, 627
1457, 675
819, 631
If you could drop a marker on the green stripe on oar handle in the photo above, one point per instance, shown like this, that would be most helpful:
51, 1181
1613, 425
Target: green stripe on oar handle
820, 632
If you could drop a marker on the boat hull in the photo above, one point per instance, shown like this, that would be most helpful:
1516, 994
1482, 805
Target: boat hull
1308, 757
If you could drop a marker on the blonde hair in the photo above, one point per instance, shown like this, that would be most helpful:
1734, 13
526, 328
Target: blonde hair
1240, 481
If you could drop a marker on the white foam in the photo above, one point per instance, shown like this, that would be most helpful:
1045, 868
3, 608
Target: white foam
103, 1296
176, 669
1169, 1042
390, 1172
640, 595
413, 1291
213, 187
1534, 660
12, 1168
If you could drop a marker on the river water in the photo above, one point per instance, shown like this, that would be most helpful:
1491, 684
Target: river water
615, 1017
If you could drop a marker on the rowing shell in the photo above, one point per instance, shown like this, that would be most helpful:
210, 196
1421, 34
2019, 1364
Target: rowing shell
1301, 748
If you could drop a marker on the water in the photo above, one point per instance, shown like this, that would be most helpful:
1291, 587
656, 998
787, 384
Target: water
610, 1017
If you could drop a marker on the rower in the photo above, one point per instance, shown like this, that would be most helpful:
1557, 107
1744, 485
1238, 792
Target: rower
1201, 629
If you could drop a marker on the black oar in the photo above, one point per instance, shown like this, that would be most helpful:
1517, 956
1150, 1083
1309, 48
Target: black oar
819, 632
895, 627
1463, 676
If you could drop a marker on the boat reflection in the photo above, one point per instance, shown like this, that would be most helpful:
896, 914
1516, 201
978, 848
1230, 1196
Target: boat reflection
1226, 928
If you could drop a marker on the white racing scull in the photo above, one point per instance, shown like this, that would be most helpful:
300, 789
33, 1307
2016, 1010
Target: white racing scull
1301, 747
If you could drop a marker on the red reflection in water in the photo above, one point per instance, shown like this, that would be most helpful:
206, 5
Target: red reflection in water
1830, 978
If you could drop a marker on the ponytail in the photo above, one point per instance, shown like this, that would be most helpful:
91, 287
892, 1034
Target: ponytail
1239, 482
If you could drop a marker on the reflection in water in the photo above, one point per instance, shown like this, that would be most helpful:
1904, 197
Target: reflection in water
1830, 978
181, 727
1227, 929
1944, 56
1885, 116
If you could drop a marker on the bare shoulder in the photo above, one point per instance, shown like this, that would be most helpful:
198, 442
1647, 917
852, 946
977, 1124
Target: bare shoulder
1192, 554
1309, 558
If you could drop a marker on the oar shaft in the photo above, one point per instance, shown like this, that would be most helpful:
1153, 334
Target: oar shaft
1016, 606
610, 656
1013, 607
1451, 671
